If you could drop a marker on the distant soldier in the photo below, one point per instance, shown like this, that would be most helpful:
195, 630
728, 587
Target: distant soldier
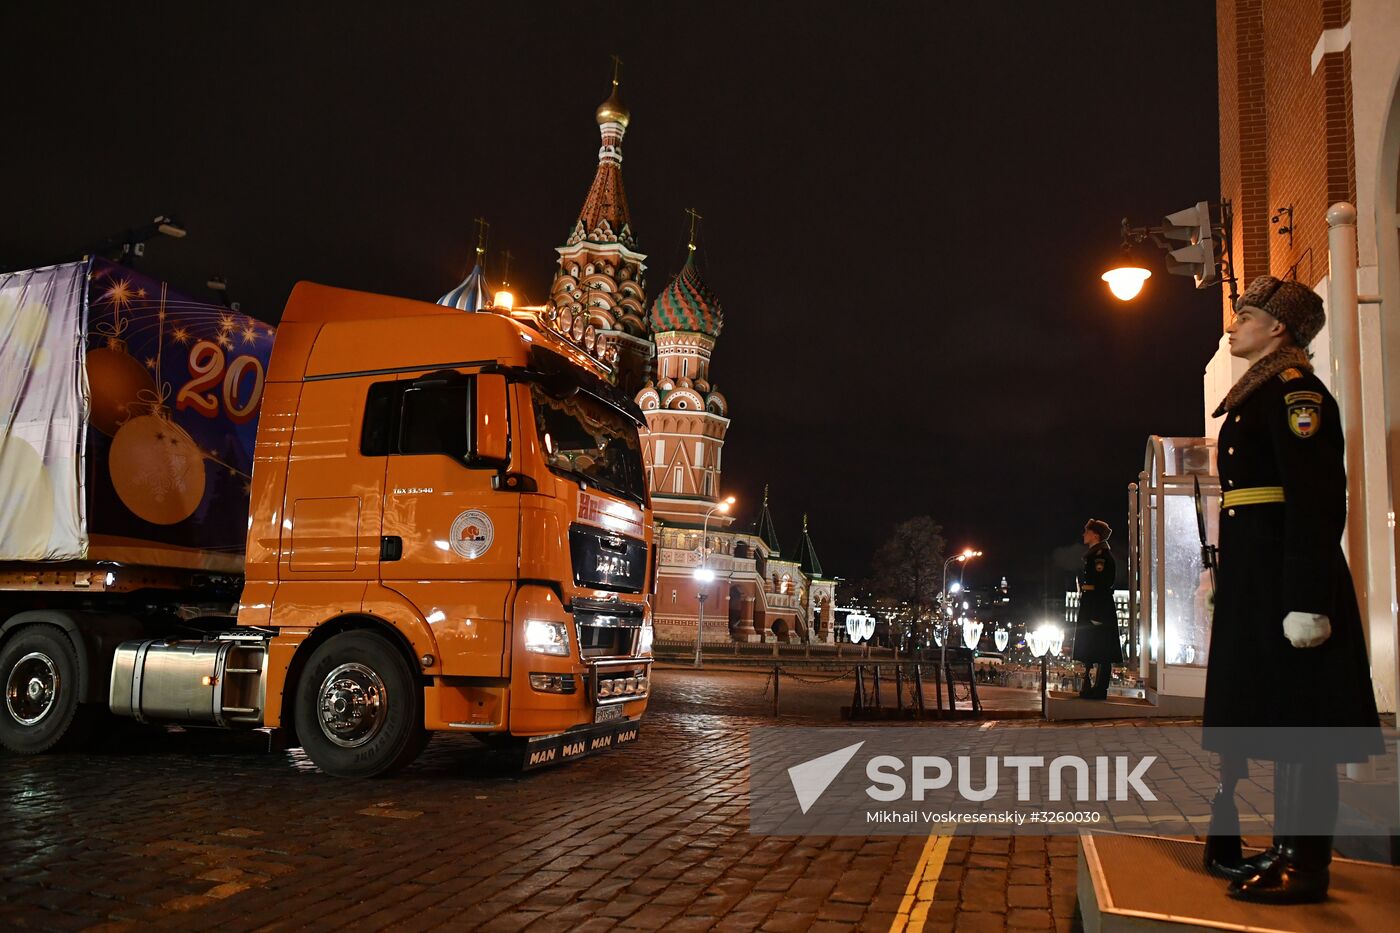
1096, 628
1287, 647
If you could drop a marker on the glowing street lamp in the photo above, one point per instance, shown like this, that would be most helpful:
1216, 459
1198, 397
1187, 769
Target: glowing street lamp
1126, 281
967, 555
972, 633
704, 575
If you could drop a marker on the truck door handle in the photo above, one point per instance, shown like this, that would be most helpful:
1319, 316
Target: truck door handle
390, 547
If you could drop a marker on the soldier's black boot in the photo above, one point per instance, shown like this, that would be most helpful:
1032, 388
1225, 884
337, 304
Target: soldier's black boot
1087, 690
1300, 873
1224, 853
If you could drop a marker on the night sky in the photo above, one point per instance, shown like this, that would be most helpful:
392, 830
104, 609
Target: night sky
907, 207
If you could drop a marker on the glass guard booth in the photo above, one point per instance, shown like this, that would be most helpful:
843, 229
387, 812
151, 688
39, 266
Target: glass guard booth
1169, 585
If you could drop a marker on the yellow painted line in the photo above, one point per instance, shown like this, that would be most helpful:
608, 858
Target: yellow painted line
918, 895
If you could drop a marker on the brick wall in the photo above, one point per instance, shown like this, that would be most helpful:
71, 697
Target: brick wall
1285, 131
1243, 142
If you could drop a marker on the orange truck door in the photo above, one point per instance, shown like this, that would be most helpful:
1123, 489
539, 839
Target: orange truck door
459, 537
332, 518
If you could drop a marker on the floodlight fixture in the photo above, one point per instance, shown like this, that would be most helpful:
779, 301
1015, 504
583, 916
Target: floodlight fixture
130, 244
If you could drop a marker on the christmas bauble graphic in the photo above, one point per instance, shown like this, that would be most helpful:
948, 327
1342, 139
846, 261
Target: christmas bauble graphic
157, 469
26, 501
115, 379
21, 332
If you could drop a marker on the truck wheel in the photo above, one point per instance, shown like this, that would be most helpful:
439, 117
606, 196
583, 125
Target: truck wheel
39, 674
359, 711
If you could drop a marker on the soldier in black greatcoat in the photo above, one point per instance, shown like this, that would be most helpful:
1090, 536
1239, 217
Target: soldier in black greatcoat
1287, 647
1096, 627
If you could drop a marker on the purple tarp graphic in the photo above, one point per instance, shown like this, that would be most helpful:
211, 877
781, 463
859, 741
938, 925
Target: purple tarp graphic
175, 387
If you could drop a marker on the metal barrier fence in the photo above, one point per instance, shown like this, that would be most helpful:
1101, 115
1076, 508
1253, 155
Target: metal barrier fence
896, 690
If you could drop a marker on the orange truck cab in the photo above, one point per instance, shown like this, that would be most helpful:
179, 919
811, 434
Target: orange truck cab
448, 531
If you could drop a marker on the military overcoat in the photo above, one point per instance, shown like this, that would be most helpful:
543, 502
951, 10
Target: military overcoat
1283, 441
1094, 643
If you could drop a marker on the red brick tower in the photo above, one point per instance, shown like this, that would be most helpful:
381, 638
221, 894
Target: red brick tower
687, 417
601, 274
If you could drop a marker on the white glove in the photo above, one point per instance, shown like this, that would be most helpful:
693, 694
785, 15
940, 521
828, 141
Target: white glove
1306, 630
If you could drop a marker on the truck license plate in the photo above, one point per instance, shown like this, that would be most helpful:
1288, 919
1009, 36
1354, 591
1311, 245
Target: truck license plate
607, 713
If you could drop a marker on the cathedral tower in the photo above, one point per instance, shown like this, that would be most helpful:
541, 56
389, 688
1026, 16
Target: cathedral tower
601, 274
687, 417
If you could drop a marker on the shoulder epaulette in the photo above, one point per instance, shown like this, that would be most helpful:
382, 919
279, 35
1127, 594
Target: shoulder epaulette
1289, 374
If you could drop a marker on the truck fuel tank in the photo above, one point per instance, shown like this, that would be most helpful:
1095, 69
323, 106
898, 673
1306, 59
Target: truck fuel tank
219, 681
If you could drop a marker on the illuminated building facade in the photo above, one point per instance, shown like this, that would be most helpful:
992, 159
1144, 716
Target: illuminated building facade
756, 593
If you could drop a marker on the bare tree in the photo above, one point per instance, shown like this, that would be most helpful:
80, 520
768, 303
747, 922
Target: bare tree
908, 566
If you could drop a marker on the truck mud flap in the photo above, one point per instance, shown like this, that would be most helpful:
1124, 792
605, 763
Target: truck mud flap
546, 750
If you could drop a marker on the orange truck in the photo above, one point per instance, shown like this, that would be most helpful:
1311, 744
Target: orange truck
444, 526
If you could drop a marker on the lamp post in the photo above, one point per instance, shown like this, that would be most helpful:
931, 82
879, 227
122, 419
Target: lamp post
1040, 642
1197, 245
704, 576
962, 558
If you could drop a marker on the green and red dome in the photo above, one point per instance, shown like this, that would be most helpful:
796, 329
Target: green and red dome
687, 304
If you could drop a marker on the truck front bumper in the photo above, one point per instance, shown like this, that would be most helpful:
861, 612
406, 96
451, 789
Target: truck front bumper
545, 750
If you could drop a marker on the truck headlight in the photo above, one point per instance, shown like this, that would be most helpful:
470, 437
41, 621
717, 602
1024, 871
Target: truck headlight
547, 637
644, 639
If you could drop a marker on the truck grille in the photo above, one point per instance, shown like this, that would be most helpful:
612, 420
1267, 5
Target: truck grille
607, 561
596, 641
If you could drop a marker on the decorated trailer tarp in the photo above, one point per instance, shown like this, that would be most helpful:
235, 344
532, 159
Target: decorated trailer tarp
128, 412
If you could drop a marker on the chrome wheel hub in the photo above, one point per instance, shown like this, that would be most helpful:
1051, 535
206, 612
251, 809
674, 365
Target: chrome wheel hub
31, 688
353, 705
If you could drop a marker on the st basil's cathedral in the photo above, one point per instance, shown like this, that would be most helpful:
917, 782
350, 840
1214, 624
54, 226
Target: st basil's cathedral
754, 591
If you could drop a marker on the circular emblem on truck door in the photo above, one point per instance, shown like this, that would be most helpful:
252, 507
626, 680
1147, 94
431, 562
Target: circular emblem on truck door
472, 534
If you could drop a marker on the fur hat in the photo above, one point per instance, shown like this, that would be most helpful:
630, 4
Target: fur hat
1295, 307
1099, 528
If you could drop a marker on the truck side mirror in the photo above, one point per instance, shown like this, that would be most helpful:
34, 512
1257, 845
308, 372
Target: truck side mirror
490, 429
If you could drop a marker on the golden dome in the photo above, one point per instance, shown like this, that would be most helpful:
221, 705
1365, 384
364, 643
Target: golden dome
613, 110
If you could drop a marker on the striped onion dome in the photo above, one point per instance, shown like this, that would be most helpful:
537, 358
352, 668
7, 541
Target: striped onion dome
472, 295
687, 304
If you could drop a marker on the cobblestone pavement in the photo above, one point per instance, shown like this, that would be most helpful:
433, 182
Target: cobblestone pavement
208, 830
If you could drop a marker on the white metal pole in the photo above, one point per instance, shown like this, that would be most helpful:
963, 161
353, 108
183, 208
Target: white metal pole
1346, 381
942, 618
699, 627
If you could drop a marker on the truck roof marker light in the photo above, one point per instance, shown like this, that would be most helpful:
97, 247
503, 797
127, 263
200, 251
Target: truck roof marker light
504, 300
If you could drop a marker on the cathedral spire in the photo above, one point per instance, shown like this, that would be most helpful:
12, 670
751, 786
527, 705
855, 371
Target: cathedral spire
605, 216
807, 553
764, 527
472, 294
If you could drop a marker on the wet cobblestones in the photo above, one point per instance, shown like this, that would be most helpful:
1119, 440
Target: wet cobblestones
210, 830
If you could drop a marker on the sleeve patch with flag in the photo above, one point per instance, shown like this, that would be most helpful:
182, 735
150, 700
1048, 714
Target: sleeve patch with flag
1304, 418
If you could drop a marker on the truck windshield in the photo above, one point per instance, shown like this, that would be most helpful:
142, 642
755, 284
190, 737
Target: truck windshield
588, 439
